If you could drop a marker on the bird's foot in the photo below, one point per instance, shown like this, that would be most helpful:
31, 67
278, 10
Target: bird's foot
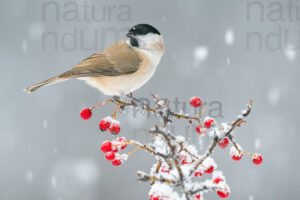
116, 98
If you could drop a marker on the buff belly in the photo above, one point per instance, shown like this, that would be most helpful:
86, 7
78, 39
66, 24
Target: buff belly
122, 85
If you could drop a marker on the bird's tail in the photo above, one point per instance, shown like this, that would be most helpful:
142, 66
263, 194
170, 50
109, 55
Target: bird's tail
77, 72
44, 83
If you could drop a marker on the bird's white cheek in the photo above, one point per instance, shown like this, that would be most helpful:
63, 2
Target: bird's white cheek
146, 41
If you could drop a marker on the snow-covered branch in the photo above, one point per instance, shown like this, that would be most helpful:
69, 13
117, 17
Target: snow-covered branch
179, 164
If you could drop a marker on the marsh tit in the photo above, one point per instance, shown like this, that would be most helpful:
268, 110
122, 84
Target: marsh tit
121, 68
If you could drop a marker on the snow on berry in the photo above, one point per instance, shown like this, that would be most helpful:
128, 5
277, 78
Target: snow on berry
165, 169
198, 173
235, 154
257, 159
163, 191
184, 162
122, 140
114, 127
200, 129
217, 180
86, 113
105, 123
209, 122
195, 102
106, 147
115, 148
154, 197
185, 158
209, 170
223, 193
223, 143
237, 157
209, 162
218, 177
110, 156
119, 159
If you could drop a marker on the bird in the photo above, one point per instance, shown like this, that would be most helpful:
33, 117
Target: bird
120, 69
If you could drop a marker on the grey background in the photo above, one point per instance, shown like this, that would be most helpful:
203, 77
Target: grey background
48, 152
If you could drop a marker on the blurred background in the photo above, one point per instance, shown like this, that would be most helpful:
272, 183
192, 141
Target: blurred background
226, 52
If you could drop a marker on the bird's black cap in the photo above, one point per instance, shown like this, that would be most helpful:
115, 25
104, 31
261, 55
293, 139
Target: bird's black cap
143, 29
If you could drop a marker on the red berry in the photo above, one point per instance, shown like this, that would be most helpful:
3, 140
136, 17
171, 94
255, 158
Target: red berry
116, 162
236, 157
197, 196
223, 194
200, 129
104, 124
208, 122
209, 170
115, 149
86, 113
257, 159
106, 147
184, 161
122, 140
115, 128
152, 197
195, 102
165, 169
235, 153
198, 174
110, 156
223, 143
218, 180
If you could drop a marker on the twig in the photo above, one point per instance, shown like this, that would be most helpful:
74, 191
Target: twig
143, 177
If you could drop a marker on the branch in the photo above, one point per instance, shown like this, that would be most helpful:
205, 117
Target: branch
144, 177
235, 124
175, 147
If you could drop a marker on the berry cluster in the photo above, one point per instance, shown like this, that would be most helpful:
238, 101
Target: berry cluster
178, 161
238, 155
110, 124
111, 150
218, 179
209, 123
107, 123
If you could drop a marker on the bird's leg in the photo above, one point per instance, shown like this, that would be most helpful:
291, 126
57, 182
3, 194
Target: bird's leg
116, 98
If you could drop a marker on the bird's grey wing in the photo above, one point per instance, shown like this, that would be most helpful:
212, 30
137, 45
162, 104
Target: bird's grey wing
116, 60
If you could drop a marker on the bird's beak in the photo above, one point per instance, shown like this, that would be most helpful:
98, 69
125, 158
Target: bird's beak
130, 35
